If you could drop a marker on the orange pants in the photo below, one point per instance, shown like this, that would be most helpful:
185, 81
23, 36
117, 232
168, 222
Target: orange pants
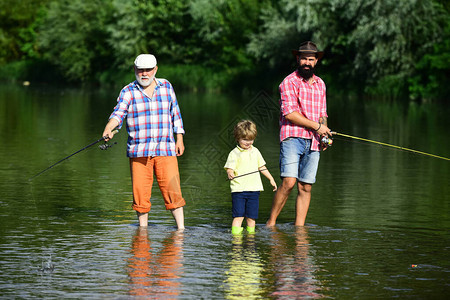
165, 169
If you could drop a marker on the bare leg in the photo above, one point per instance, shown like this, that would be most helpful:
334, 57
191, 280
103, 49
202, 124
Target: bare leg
251, 222
280, 198
237, 221
143, 219
178, 215
302, 205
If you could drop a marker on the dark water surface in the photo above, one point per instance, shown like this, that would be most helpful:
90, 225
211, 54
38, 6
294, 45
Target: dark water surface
378, 225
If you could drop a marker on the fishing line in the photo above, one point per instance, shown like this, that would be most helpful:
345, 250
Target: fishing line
388, 145
328, 141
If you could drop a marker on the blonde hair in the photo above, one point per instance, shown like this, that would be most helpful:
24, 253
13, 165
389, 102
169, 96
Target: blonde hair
246, 130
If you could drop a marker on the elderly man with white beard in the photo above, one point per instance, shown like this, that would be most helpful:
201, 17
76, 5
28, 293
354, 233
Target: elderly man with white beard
155, 138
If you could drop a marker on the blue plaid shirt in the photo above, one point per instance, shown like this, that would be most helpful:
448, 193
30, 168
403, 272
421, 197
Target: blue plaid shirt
152, 121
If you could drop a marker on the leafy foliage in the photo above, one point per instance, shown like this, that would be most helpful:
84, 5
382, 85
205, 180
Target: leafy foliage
225, 29
365, 40
163, 27
433, 71
74, 36
374, 46
16, 27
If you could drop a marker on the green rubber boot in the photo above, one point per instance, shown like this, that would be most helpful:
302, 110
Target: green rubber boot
236, 230
251, 230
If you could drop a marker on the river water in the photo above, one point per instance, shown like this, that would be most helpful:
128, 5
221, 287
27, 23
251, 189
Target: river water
378, 225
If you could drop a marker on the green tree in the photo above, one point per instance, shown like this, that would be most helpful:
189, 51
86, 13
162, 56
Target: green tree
73, 36
430, 81
225, 27
367, 42
377, 46
16, 28
162, 27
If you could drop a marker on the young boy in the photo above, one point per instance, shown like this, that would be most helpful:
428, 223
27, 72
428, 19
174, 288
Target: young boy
243, 166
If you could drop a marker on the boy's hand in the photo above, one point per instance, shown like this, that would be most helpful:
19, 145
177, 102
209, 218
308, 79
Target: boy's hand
274, 184
230, 173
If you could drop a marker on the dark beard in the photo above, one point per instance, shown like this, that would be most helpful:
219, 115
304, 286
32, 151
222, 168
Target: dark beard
307, 72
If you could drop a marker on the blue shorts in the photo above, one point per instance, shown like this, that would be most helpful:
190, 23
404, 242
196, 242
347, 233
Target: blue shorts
245, 204
297, 160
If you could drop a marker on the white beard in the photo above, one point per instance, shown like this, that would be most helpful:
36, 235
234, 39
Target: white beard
144, 81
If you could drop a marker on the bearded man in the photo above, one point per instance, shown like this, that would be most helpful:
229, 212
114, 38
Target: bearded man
303, 122
155, 138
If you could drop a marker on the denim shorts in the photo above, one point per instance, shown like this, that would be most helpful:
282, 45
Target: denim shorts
245, 204
297, 160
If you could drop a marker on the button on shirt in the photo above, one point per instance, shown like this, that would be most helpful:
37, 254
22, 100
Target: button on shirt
307, 99
152, 120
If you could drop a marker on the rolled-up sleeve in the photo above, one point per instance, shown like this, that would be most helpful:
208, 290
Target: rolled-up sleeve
323, 112
289, 97
121, 109
176, 114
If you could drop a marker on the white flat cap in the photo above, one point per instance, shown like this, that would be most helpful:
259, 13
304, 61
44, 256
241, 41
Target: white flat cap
145, 61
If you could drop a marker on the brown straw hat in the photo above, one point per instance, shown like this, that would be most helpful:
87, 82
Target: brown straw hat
308, 47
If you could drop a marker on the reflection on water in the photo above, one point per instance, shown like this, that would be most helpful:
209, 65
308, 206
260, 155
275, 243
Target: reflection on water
155, 272
244, 269
284, 270
293, 265
70, 233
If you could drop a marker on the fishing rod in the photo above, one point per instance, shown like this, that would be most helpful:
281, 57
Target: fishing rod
388, 145
102, 147
327, 141
295, 162
246, 174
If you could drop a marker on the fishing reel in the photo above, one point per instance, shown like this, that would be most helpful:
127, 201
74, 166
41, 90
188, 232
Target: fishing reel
105, 146
326, 141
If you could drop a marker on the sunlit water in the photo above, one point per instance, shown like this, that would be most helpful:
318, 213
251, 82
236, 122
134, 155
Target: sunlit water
377, 226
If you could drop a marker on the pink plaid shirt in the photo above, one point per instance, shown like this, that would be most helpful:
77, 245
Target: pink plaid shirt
309, 100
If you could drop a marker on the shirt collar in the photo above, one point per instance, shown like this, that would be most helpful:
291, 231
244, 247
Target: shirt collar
242, 150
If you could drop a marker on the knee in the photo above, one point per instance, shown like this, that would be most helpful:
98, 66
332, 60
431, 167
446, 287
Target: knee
288, 184
304, 187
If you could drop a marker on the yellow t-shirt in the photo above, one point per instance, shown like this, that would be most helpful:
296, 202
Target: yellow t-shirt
243, 162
